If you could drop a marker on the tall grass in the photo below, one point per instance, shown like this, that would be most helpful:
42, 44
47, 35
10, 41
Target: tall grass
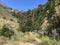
48, 41
45, 40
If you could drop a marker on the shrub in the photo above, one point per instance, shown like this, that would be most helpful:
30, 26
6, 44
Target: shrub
5, 31
11, 20
4, 17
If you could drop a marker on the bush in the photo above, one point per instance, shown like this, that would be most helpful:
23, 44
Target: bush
4, 17
11, 20
5, 31
48, 41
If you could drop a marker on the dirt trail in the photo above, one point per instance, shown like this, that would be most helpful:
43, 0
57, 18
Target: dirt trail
19, 43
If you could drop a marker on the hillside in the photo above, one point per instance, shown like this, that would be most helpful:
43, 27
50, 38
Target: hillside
7, 19
39, 26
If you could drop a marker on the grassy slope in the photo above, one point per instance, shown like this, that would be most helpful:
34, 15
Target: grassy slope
8, 19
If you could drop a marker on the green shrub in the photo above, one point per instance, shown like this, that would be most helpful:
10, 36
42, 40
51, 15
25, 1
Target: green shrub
5, 31
48, 41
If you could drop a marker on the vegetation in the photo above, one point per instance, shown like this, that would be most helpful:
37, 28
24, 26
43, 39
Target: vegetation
5, 31
32, 23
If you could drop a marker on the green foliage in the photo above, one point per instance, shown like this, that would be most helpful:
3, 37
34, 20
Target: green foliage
26, 37
5, 31
32, 20
48, 41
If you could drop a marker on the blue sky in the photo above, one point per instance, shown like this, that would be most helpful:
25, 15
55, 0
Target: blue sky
23, 4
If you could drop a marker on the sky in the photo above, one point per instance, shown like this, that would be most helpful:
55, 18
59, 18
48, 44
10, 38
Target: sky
23, 4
